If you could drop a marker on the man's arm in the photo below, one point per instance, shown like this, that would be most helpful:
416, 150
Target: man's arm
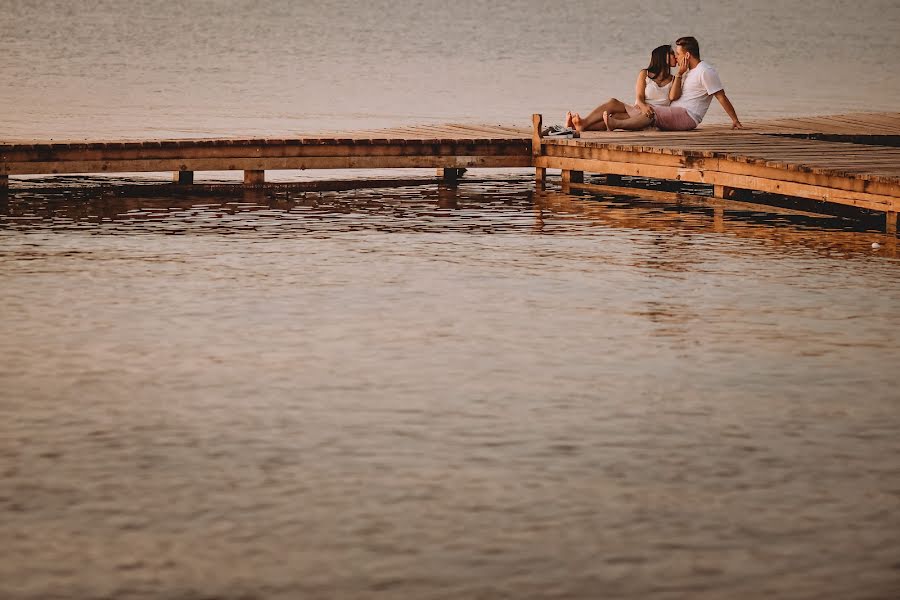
675, 90
726, 104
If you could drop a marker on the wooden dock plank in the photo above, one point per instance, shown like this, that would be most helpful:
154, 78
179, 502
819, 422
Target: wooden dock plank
819, 156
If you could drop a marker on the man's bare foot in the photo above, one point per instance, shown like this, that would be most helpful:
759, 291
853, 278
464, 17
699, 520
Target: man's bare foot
606, 120
569, 122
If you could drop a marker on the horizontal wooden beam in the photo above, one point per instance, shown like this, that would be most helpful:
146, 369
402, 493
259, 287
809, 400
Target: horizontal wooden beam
268, 164
736, 165
349, 148
750, 182
691, 199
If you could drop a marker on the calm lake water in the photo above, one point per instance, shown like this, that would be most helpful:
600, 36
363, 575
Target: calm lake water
431, 392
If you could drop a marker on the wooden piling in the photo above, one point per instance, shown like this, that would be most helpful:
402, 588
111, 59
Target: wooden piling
450, 175
572, 176
4, 186
723, 191
540, 173
254, 177
183, 177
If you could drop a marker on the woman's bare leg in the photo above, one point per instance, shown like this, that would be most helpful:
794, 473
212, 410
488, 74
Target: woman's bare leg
594, 120
630, 123
578, 122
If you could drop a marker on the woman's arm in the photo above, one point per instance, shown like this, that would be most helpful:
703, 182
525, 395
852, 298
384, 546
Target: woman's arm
640, 89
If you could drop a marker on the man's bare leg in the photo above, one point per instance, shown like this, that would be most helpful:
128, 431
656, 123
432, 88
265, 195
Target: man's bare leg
594, 120
569, 122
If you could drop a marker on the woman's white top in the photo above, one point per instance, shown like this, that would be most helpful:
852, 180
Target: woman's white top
656, 95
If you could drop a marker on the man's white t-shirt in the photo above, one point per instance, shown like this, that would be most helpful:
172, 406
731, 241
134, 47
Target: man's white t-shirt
697, 89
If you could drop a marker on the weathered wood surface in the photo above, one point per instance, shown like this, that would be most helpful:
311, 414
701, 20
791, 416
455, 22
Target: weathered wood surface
871, 163
451, 146
852, 124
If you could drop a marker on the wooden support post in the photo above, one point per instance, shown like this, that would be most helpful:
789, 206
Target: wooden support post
613, 179
540, 174
723, 191
450, 175
183, 177
4, 186
570, 176
254, 177
890, 225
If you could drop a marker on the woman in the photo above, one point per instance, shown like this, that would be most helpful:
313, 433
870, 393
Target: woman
655, 86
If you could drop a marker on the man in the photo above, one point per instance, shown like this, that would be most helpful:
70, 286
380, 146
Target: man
699, 83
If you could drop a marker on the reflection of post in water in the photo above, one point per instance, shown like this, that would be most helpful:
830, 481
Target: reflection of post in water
281, 201
448, 196
718, 219
890, 246
538, 204
255, 195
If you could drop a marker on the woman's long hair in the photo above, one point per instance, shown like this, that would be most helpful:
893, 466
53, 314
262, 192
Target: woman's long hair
659, 62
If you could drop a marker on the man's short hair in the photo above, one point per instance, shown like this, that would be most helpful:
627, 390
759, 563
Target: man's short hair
689, 44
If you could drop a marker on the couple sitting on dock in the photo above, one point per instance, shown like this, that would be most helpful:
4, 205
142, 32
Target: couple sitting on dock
670, 103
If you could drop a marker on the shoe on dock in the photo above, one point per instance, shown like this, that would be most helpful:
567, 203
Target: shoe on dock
558, 131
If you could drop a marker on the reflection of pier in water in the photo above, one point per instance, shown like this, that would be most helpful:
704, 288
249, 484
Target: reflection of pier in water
698, 215
491, 206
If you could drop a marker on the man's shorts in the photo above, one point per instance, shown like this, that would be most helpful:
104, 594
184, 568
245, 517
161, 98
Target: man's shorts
673, 118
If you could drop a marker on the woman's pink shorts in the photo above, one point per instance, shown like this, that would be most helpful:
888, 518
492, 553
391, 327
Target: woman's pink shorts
673, 118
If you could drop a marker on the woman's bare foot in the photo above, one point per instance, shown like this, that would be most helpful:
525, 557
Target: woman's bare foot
569, 122
576, 122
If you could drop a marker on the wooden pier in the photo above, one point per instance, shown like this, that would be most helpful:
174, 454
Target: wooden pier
788, 158
841, 159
